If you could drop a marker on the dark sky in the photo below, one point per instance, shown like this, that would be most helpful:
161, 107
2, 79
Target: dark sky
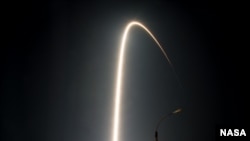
58, 67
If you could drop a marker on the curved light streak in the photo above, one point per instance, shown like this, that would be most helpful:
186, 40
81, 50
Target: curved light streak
165, 116
120, 73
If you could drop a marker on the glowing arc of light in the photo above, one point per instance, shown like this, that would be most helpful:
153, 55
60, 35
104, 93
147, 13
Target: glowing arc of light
120, 73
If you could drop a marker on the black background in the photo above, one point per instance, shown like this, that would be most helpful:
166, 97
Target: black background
58, 65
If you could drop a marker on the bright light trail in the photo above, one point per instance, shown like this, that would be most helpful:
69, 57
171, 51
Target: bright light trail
118, 92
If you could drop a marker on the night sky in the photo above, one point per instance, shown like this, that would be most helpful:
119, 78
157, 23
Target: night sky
59, 59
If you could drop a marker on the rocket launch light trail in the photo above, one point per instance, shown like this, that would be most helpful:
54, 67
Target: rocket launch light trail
118, 92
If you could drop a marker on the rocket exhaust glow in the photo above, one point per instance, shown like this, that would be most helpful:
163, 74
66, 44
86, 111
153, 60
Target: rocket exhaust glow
120, 74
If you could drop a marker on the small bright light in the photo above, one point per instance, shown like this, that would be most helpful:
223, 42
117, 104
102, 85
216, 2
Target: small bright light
177, 111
